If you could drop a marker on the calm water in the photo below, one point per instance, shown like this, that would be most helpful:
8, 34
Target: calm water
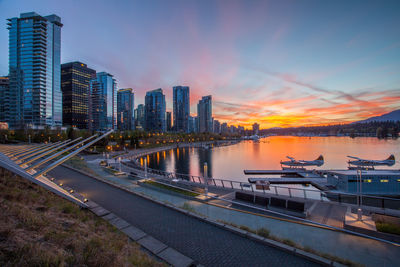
229, 162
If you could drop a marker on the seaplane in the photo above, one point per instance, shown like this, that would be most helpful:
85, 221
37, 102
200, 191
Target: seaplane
369, 163
294, 163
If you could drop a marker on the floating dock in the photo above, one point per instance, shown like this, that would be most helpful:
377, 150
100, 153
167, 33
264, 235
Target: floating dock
298, 172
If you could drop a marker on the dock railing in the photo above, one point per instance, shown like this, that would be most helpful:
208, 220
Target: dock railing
304, 193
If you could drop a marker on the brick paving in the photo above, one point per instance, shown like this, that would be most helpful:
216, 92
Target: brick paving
203, 242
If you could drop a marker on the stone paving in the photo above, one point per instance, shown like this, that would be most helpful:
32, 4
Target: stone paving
207, 244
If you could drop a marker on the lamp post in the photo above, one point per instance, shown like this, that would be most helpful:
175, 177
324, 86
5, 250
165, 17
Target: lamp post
206, 178
29, 138
119, 159
49, 139
359, 210
145, 168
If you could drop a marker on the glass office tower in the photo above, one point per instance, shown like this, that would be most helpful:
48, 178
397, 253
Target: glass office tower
125, 110
204, 114
75, 82
4, 100
140, 120
155, 111
103, 102
181, 108
35, 71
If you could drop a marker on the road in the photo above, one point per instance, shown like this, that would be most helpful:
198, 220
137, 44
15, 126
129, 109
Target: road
207, 244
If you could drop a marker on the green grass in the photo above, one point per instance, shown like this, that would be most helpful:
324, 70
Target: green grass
387, 227
173, 189
39, 228
80, 164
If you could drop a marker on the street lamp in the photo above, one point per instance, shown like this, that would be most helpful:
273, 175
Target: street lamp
119, 159
29, 137
145, 168
359, 210
206, 178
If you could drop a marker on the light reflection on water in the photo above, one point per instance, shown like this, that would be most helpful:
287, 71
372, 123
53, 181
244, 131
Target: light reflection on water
228, 162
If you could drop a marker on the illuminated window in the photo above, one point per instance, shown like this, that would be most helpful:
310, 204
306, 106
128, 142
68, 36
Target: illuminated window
384, 180
367, 180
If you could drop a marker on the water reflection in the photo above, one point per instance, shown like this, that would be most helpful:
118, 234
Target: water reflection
228, 162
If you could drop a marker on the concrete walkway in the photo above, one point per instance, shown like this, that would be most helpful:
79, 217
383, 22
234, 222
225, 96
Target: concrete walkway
358, 249
203, 242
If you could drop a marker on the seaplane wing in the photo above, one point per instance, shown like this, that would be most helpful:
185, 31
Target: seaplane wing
390, 161
291, 158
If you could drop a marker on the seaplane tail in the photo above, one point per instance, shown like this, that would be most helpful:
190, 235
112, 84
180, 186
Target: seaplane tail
391, 160
319, 161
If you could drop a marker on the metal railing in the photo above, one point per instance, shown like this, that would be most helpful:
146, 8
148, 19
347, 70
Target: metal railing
347, 198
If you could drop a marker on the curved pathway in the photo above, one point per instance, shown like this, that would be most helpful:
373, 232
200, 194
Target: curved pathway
203, 242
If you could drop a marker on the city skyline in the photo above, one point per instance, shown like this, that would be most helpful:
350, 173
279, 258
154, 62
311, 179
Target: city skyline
262, 62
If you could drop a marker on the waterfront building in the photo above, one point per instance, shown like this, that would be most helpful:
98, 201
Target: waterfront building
256, 128
169, 121
125, 110
192, 124
155, 111
35, 98
204, 114
241, 130
139, 117
224, 128
75, 83
379, 182
4, 100
216, 126
181, 103
103, 102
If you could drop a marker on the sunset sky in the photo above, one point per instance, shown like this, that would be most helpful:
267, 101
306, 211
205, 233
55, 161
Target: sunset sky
278, 63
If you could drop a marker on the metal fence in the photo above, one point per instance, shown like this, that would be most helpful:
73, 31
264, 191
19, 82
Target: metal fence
373, 201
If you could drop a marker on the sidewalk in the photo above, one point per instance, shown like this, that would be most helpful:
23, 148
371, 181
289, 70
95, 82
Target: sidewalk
358, 249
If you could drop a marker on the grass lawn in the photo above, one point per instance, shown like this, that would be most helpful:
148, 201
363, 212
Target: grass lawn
173, 189
39, 228
387, 227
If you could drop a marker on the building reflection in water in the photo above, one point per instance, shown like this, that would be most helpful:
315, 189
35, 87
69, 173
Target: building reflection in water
205, 155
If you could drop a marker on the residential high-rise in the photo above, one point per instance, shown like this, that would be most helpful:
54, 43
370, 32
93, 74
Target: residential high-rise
256, 128
181, 98
75, 83
155, 111
35, 71
216, 126
125, 109
4, 100
204, 113
103, 102
169, 121
192, 124
139, 117
224, 128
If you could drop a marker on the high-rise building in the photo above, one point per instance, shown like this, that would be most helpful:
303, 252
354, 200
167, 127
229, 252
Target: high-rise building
192, 124
103, 102
4, 100
204, 113
169, 121
155, 111
256, 128
125, 110
35, 71
139, 117
217, 127
181, 105
224, 128
75, 83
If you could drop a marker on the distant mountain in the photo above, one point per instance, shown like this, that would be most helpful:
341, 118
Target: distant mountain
391, 116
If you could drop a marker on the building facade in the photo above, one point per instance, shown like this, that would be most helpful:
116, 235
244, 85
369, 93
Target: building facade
125, 110
75, 85
103, 102
256, 128
35, 71
139, 117
4, 100
155, 111
204, 113
216, 126
181, 105
169, 121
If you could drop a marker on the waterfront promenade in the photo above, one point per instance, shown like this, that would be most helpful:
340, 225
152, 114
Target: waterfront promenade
207, 244
366, 251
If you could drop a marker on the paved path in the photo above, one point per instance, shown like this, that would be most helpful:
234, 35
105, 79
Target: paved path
203, 242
